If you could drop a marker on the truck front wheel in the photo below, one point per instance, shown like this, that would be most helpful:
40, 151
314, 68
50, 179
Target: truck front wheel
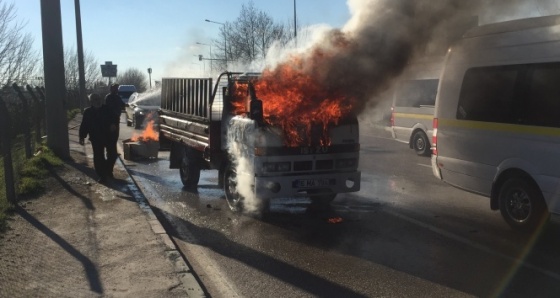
190, 168
233, 198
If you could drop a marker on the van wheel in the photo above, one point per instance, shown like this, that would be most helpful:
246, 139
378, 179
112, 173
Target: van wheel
421, 144
522, 205
190, 168
233, 198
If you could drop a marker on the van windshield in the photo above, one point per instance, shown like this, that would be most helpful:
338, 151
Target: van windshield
416, 93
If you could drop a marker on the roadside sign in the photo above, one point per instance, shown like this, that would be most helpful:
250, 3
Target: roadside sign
108, 69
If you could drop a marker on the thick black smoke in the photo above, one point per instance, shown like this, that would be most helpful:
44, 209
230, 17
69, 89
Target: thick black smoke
377, 44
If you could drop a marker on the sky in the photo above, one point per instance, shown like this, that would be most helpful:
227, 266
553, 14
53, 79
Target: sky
162, 35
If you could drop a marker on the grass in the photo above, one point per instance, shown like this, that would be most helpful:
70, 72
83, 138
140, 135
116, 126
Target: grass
35, 170
31, 180
29, 174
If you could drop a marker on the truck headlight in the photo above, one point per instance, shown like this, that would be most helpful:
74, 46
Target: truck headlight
270, 167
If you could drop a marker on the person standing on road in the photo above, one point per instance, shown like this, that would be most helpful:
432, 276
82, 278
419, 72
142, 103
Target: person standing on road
115, 106
95, 123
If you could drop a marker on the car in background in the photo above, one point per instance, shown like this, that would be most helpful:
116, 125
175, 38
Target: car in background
125, 91
142, 108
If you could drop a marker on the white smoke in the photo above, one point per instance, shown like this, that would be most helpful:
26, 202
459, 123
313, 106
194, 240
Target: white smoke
307, 37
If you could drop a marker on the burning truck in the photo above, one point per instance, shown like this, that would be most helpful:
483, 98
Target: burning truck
266, 138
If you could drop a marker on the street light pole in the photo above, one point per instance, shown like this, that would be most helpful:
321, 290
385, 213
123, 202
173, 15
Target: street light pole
225, 37
295, 25
150, 76
204, 44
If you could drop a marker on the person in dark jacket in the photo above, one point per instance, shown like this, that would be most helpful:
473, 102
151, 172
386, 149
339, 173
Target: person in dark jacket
115, 106
95, 123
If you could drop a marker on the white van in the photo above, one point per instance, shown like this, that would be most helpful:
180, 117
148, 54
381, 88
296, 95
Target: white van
414, 99
497, 118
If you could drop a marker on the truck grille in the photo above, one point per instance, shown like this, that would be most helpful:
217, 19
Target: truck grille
303, 166
324, 164
320, 165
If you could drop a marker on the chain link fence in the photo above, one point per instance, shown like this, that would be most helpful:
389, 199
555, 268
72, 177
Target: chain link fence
22, 131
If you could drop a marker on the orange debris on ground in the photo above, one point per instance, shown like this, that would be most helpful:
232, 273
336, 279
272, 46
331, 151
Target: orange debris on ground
335, 220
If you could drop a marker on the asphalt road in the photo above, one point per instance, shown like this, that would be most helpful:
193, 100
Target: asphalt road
404, 234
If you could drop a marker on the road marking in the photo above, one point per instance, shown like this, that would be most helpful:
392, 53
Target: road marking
475, 245
423, 165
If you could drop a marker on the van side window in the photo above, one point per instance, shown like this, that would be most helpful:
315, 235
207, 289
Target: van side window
542, 104
527, 94
416, 93
487, 94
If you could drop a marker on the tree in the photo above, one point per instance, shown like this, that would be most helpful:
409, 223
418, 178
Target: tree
18, 60
133, 76
91, 67
249, 37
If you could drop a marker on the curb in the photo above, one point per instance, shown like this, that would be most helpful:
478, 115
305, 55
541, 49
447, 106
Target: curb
184, 272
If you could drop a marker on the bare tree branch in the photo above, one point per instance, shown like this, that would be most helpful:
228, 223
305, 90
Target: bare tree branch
133, 76
249, 37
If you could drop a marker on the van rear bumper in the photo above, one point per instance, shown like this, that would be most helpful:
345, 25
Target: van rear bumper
297, 186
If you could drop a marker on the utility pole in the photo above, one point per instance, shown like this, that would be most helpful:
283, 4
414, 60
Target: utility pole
81, 71
55, 89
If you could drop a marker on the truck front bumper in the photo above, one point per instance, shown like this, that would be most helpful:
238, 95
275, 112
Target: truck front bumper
296, 186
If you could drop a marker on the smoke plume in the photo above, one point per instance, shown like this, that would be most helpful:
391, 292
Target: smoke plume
375, 46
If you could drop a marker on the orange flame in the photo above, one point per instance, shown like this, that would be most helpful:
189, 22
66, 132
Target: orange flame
298, 102
148, 134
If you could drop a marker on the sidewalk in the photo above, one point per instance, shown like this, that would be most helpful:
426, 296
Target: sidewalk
84, 239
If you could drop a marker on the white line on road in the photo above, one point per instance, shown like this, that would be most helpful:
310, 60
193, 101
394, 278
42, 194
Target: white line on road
475, 245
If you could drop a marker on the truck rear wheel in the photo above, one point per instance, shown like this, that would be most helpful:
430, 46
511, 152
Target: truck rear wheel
522, 205
190, 168
233, 198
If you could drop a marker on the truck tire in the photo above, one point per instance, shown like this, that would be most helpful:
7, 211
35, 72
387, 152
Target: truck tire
522, 205
320, 201
421, 144
190, 168
233, 198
